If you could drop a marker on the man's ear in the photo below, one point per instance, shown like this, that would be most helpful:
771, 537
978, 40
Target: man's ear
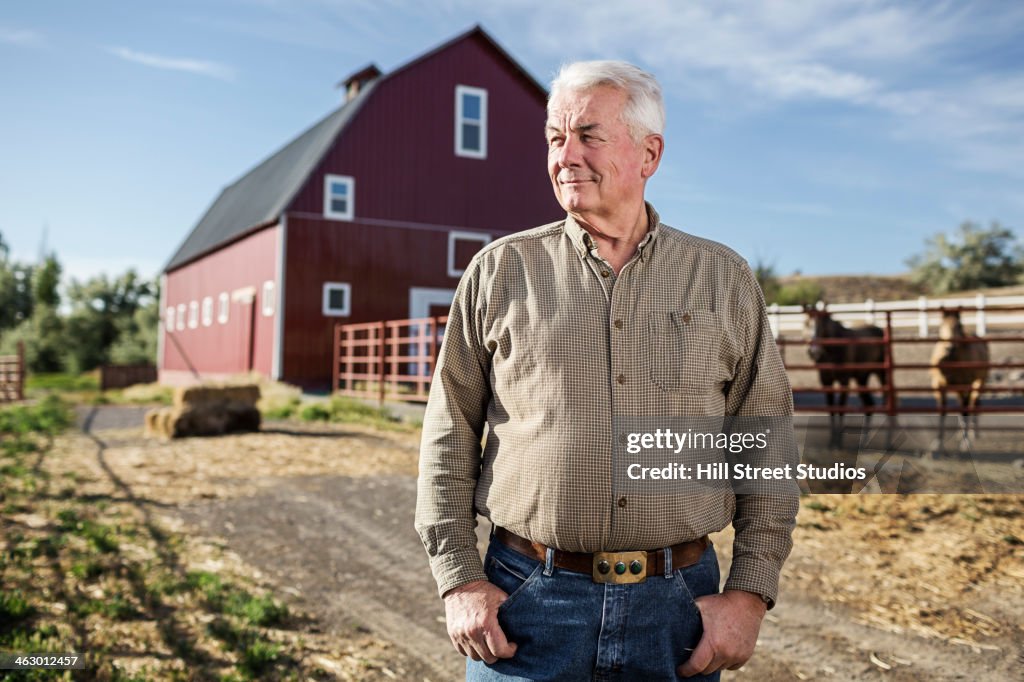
653, 147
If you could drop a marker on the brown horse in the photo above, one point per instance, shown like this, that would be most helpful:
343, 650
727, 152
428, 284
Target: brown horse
966, 382
825, 328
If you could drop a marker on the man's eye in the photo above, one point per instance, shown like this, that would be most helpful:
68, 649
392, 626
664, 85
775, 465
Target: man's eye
554, 141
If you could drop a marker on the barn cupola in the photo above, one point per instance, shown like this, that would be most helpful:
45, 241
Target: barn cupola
354, 84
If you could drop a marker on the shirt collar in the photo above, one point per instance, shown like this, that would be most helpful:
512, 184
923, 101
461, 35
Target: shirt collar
584, 243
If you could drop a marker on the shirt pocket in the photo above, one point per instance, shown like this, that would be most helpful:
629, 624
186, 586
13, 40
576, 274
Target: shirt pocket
685, 346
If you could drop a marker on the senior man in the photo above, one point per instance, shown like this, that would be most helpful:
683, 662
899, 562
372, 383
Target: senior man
554, 333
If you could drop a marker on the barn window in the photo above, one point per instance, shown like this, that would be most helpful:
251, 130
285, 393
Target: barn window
339, 197
169, 324
181, 316
193, 314
337, 299
462, 246
223, 307
268, 298
470, 122
207, 311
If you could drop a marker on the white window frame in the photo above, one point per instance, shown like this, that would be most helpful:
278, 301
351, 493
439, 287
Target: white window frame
455, 236
481, 153
223, 307
344, 311
267, 302
350, 182
207, 311
181, 317
193, 314
169, 320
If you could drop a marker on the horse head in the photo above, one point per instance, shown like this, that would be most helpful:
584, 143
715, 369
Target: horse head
951, 327
820, 323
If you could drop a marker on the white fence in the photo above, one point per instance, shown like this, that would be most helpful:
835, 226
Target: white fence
922, 314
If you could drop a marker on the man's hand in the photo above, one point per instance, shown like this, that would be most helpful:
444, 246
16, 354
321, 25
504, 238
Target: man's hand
471, 611
731, 622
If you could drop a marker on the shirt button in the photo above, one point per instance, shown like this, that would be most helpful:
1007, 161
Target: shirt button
605, 273
618, 324
622, 501
686, 318
621, 378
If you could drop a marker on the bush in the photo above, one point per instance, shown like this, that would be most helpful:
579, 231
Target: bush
315, 412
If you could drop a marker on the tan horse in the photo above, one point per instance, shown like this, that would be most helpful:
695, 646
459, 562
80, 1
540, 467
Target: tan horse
966, 382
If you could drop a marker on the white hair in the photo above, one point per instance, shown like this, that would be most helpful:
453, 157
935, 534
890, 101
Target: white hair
644, 113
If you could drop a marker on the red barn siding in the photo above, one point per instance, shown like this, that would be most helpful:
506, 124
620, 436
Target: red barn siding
400, 148
381, 264
222, 349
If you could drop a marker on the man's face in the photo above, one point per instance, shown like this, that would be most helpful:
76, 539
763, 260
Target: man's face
594, 164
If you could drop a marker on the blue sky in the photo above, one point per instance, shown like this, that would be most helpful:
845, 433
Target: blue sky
828, 137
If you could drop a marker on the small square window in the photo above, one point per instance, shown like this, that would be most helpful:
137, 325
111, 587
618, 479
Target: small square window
181, 316
169, 322
268, 298
470, 122
223, 307
193, 314
207, 311
339, 197
337, 299
462, 246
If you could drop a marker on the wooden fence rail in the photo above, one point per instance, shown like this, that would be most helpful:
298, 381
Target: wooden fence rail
12, 376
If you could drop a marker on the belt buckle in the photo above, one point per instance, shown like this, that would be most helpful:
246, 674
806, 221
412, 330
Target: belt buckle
620, 568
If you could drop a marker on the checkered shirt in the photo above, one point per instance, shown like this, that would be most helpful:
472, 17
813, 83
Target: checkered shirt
545, 345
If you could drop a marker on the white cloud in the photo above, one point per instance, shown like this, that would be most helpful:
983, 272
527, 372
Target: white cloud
916, 62
20, 37
195, 66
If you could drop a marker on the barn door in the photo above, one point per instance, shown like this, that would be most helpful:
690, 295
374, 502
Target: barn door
246, 300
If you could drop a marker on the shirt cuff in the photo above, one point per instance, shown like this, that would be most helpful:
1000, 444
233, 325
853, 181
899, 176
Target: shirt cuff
456, 568
754, 576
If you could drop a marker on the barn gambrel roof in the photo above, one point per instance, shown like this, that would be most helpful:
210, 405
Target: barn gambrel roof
258, 199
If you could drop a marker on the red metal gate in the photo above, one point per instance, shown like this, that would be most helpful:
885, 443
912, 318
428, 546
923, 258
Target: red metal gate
891, 390
388, 360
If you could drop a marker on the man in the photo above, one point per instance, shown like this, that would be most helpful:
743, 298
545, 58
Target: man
554, 334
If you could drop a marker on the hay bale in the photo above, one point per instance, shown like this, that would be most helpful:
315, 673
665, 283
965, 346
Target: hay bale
207, 411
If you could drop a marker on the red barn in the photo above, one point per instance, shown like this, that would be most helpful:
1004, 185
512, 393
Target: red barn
370, 214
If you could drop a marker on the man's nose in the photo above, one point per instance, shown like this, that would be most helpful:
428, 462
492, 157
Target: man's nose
569, 153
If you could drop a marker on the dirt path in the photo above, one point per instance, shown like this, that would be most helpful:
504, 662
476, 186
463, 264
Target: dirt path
326, 514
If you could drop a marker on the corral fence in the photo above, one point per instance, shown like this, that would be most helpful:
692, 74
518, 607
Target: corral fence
12, 375
395, 359
893, 391
388, 360
122, 376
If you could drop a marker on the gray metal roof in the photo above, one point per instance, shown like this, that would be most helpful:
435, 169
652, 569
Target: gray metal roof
260, 196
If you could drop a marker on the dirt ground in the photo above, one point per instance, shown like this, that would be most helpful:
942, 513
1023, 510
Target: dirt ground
894, 587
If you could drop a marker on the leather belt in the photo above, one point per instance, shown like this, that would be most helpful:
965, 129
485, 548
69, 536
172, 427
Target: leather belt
609, 567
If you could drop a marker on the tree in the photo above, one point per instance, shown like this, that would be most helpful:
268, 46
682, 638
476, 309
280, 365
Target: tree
798, 292
105, 315
972, 258
45, 280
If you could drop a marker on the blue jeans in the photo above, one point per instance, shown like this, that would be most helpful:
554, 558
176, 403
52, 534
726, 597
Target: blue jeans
567, 627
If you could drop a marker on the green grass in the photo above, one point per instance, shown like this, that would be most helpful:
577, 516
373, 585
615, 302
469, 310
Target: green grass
14, 607
260, 611
346, 410
48, 417
62, 382
115, 608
